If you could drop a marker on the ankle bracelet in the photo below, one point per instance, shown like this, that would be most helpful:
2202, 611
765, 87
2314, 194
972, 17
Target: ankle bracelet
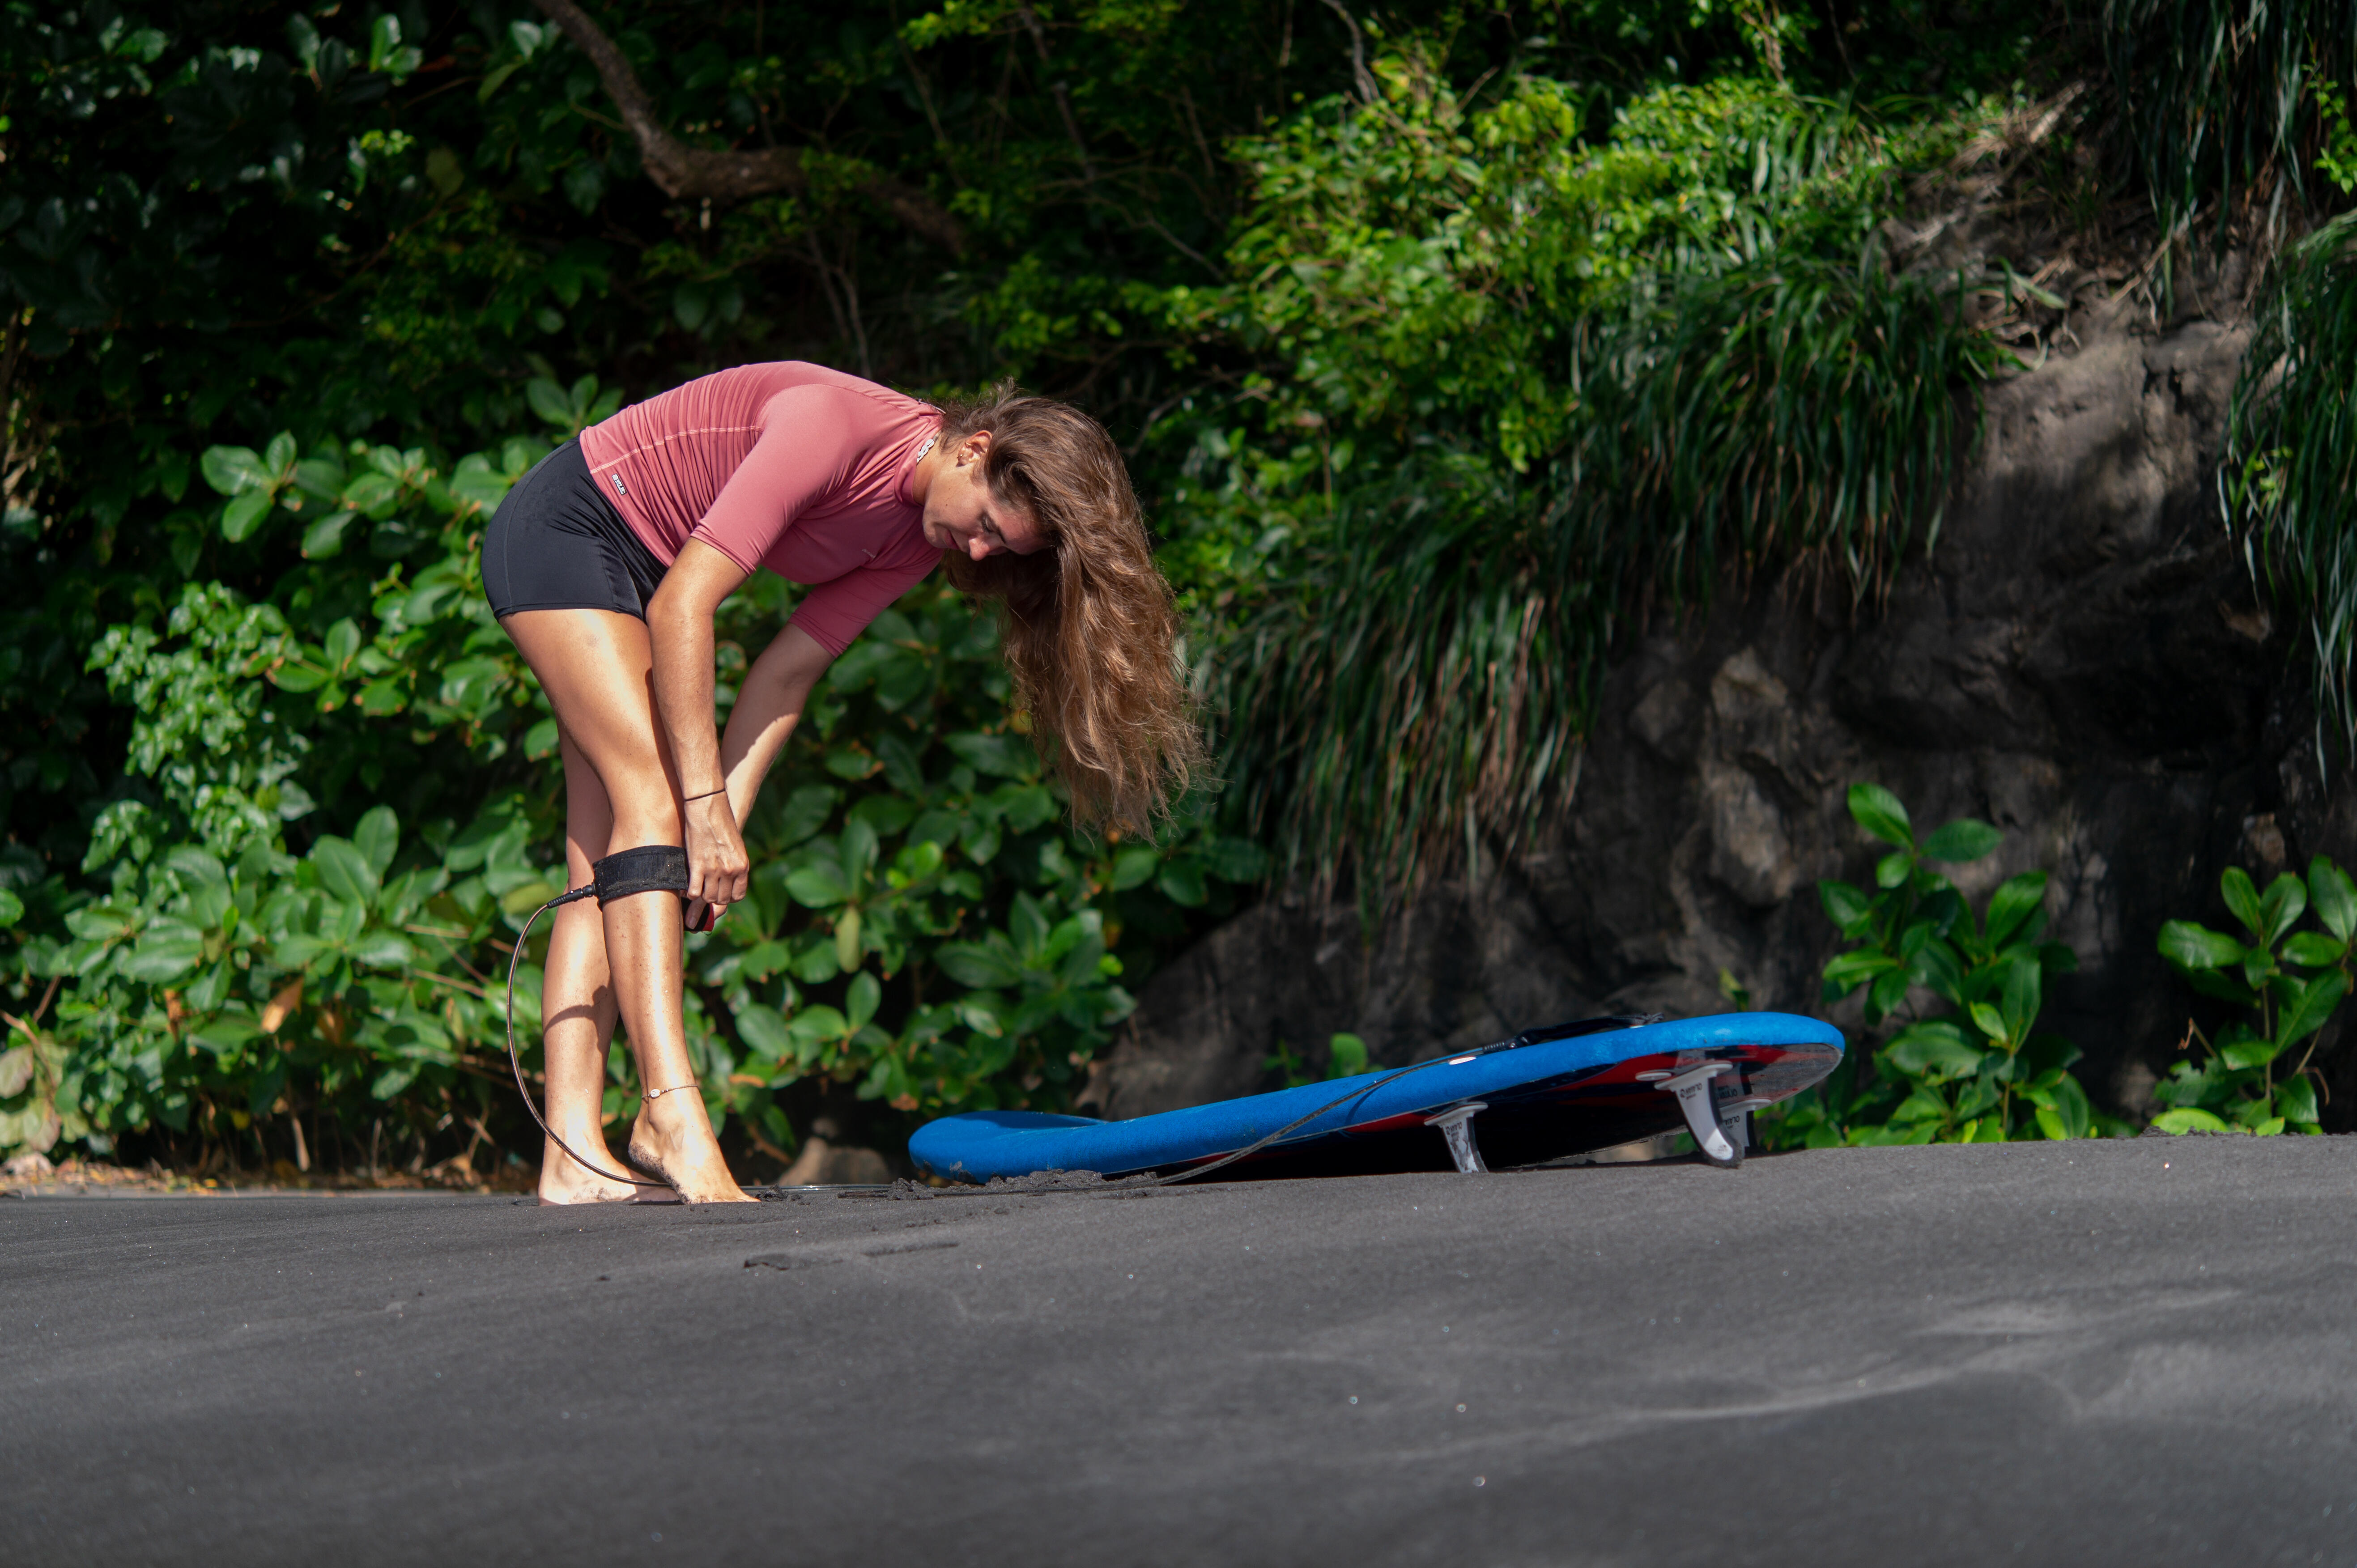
674, 1089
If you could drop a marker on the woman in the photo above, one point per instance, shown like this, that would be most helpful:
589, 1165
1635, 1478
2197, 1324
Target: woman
604, 564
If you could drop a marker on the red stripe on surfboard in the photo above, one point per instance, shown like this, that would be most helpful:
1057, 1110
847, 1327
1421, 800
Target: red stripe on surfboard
1618, 1075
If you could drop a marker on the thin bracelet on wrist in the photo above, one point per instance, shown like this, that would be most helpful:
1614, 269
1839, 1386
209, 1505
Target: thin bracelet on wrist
683, 800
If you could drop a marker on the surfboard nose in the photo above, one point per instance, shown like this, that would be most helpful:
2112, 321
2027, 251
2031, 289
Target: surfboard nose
956, 1148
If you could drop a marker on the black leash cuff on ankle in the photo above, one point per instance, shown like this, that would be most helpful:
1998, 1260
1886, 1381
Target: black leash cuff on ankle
651, 868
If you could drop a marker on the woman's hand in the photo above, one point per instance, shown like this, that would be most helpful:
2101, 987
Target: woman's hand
719, 870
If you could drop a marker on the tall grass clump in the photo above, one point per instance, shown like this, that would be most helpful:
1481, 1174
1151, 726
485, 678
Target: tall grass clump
1796, 410
1426, 686
1426, 681
2220, 95
1558, 383
2290, 469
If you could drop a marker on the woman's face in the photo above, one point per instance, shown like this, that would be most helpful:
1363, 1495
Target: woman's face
962, 514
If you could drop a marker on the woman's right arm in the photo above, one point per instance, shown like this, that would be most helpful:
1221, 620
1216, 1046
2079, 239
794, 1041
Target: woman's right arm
678, 627
768, 703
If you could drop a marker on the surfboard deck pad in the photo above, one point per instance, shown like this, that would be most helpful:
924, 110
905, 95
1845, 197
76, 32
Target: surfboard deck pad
1569, 1089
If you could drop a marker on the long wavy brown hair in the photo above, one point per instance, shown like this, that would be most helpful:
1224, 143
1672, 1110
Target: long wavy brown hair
1088, 627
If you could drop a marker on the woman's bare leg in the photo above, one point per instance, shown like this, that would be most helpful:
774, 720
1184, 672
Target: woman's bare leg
576, 1007
597, 669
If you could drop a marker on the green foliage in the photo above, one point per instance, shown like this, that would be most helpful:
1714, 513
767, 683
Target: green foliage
2244, 1083
269, 270
1436, 387
1543, 382
2336, 158
1346, 1056
2217, 93
421, 226
1977, 1072
2291, 442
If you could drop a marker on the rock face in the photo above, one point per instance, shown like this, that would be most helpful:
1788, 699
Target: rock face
2082, 662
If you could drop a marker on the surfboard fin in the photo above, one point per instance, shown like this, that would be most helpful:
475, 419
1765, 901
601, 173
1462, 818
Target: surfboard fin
1456, 1124
1716, 1143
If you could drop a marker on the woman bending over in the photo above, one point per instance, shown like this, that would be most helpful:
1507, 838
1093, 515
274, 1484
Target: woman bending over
604, 564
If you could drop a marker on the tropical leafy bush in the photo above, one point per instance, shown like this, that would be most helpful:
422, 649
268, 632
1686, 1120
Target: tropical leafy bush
1978, 1070
2243, 1080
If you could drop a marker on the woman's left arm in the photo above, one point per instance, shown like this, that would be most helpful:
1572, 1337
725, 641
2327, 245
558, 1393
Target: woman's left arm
769, 705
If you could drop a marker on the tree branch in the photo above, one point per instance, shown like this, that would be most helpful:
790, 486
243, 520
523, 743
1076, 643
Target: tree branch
1368, 92
680, 170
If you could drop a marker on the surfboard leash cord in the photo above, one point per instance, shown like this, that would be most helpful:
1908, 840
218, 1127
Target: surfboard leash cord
1527, 1038
662, 868
651, 869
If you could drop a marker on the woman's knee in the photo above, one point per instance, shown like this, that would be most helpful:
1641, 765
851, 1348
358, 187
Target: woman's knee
629, 792
631, 807
650, 822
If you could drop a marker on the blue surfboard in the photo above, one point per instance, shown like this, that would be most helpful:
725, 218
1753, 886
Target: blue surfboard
1546, 1093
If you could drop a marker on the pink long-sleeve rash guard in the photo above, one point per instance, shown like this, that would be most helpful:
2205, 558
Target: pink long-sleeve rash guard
792, 466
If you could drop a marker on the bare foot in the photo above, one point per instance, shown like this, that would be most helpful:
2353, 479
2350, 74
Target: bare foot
564, 1180
674, 1140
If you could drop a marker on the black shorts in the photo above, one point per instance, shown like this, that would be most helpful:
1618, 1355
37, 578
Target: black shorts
557, 543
